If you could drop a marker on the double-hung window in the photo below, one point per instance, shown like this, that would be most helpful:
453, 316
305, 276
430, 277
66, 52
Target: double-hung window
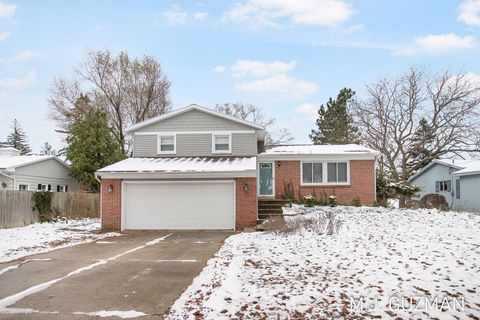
23, 187
312, 172
443, 186
337, 172
221, 143
166, 144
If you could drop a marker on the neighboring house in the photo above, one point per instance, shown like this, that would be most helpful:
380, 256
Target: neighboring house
457, 180
195, 168
34, 173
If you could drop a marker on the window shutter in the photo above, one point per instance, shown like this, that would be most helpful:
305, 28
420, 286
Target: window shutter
66, 188
449, 185
437, 186
39, 187
49, 187
58, 188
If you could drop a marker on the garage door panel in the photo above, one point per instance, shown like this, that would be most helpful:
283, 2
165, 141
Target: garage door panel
178, 205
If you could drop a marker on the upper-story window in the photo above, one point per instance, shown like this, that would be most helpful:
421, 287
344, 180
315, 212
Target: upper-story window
166, 144
222, 143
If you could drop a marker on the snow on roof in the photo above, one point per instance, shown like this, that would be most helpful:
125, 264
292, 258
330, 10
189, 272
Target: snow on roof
17, 161
469, 167
173, 165
320, 149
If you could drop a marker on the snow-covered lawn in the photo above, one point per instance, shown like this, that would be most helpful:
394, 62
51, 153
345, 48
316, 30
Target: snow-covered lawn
42, 237
381, 255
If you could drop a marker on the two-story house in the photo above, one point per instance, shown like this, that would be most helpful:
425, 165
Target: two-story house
196, 168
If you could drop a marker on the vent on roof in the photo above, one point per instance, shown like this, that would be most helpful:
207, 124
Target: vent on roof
9, 152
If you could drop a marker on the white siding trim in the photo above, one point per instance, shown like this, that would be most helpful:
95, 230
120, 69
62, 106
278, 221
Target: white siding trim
191, 132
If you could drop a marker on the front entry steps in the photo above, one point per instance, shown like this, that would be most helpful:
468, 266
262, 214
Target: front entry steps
270, 208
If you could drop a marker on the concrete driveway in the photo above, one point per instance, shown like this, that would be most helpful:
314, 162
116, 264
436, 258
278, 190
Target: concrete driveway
141, 272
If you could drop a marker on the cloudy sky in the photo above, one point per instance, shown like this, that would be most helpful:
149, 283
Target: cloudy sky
284, 56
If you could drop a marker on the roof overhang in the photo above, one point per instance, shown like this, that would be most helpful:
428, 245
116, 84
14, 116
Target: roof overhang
180, 168
189, 108
319, 157
431, 164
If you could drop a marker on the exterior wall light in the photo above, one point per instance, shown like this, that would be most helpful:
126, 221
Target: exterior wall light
245, 186
110, 188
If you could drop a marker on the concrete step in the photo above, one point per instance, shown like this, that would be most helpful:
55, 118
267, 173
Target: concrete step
270, 210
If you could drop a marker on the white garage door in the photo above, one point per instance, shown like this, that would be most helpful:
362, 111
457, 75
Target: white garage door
179, 205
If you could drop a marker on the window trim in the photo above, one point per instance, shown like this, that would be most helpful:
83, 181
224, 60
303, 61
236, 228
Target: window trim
41, 186
325, 173
24, 184
62, 186
159, 143
215, 134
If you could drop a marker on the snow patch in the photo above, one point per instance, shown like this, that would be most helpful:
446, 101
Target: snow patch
379, 253
114, 313
43, 237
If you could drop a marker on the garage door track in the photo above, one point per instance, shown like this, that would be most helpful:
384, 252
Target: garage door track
138, 274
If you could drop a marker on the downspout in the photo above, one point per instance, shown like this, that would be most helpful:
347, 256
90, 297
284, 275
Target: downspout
6, 175
375, 180
99, 181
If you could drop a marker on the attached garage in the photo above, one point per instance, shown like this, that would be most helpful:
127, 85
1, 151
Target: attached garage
179, 205
210, 193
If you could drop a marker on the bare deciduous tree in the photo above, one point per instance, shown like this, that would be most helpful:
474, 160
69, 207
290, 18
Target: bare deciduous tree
445, 105
130, 90
254, 114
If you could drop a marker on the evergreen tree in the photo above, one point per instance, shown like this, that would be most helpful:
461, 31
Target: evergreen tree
420, 148
18, 139
335, 123
91, 146
47, 150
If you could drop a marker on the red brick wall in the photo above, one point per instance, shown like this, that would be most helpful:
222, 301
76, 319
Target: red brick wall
362, 182
246, 203
111, 204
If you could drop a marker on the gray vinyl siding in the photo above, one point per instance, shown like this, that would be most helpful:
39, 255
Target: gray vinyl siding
47, 172
145, 145
426, 180
194, 120
469, 194
193, 145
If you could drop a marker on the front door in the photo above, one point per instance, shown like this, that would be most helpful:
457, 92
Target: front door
266, 179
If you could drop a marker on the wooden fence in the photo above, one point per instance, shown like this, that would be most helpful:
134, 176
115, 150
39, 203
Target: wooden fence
16, 207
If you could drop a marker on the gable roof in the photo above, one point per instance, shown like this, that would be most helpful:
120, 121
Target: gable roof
456, 164
470, 168
190, 108
9, 163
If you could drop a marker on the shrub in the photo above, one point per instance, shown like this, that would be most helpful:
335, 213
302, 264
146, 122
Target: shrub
332, 201
356, 202
309, 201
288, 192
318, 222
42, 203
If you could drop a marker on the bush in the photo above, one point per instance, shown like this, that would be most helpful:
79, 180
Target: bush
356, 202
288, 192
309, 201
332, 201
42, 203
318, 222
433, 200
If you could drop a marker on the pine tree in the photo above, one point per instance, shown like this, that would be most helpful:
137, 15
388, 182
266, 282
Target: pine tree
18, 139
91, 146
335, 123
47, 150
421, 141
